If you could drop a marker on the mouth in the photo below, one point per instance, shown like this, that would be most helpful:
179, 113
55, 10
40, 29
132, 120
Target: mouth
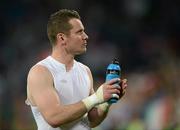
85, 44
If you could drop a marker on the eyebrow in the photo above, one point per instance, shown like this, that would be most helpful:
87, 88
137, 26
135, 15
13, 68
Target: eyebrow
80, 30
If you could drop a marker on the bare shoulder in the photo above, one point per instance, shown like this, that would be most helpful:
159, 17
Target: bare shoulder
39, 83
39, 79
39, 71
36, 69
39, 76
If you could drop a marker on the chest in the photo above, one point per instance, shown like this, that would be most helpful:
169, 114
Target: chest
72, 86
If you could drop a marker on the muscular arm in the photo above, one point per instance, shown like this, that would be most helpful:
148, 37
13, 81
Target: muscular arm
43, 95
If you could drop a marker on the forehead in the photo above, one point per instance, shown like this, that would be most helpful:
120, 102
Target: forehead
76, 24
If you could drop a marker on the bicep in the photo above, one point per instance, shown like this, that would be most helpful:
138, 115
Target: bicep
40, 85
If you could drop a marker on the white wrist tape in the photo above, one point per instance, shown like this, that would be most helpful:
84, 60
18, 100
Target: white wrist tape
91, 101
95, 99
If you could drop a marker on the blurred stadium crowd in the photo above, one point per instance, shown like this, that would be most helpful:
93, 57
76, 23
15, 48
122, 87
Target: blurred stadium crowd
142, 34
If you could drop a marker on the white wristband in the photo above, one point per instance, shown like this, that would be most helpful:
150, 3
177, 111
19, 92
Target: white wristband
91, 101
95, 99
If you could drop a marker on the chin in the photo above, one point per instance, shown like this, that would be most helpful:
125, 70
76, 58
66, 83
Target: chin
80, 52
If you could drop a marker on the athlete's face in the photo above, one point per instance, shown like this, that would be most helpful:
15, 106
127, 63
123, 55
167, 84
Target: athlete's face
76, 41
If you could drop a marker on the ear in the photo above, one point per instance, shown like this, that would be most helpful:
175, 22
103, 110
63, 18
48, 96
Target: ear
61, 38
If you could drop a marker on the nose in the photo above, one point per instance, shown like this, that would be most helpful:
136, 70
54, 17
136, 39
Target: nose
85, 36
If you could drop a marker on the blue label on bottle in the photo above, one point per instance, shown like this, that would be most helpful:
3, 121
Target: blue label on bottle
113, 71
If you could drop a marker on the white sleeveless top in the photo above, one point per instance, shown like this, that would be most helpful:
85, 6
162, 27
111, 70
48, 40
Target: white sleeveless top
71, 87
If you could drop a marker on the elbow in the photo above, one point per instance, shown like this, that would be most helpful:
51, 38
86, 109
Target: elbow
94, 124
54, 122
54, 125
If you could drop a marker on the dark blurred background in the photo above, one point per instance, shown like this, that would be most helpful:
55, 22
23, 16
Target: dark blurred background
142, 34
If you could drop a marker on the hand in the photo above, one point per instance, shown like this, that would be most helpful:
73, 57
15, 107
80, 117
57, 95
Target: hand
122, 88
107, 90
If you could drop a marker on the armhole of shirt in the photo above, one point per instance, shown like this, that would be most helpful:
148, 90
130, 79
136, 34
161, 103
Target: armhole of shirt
89, 73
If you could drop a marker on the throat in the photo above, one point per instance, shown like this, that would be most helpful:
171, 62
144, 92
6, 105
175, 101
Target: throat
69, 66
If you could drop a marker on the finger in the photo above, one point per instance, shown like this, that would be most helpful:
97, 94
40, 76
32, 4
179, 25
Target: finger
124, 84
113, 81
116, 85
124, 91
108, 87
114, 91
113, 86
115, 96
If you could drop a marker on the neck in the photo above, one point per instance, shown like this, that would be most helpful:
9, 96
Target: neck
63, 57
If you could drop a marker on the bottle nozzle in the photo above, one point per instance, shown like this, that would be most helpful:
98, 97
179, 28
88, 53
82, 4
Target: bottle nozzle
115, 61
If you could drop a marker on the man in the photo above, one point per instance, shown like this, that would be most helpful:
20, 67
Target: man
60, 89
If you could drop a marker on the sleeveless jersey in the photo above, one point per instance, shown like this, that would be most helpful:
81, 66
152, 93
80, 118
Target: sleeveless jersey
71, 86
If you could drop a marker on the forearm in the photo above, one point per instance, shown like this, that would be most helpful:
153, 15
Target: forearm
61, 115
69, 113
66, 114
98, 114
